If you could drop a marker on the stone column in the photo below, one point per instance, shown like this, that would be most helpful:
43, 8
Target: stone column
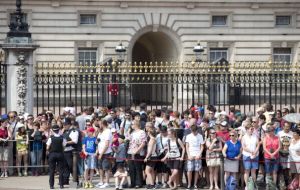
19, 60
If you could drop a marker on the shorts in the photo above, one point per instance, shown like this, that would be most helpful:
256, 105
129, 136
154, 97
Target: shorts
3, 153
250, 164
120, 164
193, 165
271, 165
284, 162
22, 152
90, 162
104, 162
152, 162
174, 164
161, 167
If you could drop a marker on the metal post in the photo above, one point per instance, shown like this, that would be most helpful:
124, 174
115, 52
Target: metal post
222, 173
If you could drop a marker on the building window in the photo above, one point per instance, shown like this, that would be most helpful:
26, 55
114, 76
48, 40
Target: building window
217, 53
13, 18
87, 56
282, 55
88, 19
283, 20
219, 20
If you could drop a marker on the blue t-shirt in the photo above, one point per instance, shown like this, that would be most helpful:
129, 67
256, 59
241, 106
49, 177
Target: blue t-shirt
233, 150
90, 144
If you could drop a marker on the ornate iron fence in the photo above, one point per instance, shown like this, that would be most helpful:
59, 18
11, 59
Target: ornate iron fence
245, 85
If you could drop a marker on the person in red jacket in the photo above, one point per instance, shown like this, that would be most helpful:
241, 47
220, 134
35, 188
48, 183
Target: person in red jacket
113, 89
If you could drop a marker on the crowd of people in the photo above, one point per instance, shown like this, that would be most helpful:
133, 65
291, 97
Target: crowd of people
156, 148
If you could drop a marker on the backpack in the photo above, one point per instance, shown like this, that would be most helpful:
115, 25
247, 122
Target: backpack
294, 184
231, 183
251, 184
178, 145
270, 183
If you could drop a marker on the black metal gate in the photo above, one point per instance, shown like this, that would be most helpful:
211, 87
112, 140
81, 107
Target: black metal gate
174, 86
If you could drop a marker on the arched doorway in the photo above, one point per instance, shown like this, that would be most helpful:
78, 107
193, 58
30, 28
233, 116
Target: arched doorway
154, 47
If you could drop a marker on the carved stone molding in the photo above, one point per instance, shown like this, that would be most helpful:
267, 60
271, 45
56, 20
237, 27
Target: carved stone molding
21, 83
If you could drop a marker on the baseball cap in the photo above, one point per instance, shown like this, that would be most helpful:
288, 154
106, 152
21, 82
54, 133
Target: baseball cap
91, 130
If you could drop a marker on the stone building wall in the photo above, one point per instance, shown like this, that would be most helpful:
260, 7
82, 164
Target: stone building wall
250, 34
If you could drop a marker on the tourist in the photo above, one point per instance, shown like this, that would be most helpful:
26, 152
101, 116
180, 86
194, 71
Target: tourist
22, 140
194, 147
232, 151
214, 148
137, 141
5, 135
120, 177
162, 169
89, 147
104, 152
36, 148
250, 144
174, 156
294, 150
271, 145
150, 158
285, 137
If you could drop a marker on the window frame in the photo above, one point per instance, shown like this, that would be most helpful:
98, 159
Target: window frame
215, 49
282, 54
87, 14
283, 25
219, 15
85, 50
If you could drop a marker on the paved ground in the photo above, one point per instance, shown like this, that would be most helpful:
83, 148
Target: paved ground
34, 183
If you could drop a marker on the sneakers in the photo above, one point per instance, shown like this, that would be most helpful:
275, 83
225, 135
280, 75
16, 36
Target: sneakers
19, 174
105, 185
25, 174
90, 185
2, 175
5, 175
99, 184
86, 185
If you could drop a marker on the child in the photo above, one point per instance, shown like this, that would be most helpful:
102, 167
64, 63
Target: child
89, 150
121, 152
120, 177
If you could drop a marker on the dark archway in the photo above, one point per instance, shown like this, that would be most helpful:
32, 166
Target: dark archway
153, 47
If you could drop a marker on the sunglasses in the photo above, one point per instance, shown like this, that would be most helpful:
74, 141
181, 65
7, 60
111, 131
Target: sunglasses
127, 115
213, 133
112, 113
232, 135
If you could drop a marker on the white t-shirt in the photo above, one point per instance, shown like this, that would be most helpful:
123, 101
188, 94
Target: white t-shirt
158, 120
105, 136
71, 110
250, 142
282, 135
195, 142
293, 150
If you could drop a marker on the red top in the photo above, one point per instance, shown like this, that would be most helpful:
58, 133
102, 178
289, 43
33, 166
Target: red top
3, 133
224, 135
272, 144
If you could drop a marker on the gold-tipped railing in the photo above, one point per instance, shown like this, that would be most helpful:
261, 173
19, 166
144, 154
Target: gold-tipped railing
138, 68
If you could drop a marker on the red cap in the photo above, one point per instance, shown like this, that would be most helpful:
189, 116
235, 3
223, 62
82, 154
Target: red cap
91, 129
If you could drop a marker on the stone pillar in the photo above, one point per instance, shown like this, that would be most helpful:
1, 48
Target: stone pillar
19, 60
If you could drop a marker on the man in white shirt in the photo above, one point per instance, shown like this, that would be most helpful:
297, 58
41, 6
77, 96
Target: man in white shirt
194, 147
104, 150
